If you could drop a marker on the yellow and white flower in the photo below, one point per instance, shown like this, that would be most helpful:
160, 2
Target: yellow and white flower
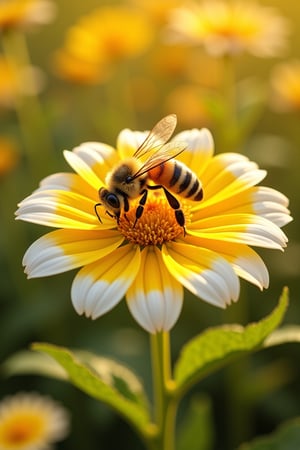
29, 421
230, 27
285, 86
25, 13
100, 40
152, 261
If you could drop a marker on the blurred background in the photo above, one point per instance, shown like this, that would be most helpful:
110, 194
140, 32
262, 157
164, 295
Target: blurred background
58, 88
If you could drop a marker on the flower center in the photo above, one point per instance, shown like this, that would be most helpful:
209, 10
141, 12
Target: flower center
157, 224
22, 429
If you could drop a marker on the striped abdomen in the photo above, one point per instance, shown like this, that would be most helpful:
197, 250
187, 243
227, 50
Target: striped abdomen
178, 178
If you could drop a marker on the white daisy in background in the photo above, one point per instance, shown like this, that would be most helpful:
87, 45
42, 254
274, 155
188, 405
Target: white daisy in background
29, 421
229, 28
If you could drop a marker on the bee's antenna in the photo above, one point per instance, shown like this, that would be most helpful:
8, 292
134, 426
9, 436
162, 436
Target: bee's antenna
95, 208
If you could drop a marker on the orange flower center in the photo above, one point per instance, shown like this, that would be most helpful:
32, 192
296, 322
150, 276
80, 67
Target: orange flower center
21, 429
157, 224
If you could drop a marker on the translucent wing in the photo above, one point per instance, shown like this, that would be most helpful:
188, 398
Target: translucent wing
155, 144
158, 136
163, 154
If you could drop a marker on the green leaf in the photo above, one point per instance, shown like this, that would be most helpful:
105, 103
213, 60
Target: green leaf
286, 437
217, 346
28, 362
105, 380
198, 417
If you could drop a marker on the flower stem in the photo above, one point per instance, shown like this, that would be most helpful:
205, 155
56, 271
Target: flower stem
37, 141
229, 95
165, 404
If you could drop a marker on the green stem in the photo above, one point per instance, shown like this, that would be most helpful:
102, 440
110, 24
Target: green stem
165, 405
229, 94
35, 133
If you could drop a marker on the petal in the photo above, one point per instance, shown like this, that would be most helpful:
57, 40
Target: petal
199, 149
228, 174
262, 201
240, 228
203, 272
246, 262
68, 182
83, 169
129, 141
63, 250
99, 286
272, 205
155, 297
101, 158
62, 209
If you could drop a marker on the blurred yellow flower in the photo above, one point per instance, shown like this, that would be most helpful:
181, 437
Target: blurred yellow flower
25, 13
285, 86
9, 156
230, 27
157, 11
150, 259
194, 111
106, 36
8, 83
71, 67
16, 81
144, 93
169, 61
29, 421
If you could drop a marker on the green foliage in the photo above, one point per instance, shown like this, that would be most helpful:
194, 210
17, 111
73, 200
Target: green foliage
217, 346
105, 380
115, 385
287, 437
198, 417
28, 362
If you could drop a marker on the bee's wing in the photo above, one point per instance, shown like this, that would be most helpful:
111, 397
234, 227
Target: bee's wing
163, 154
158, 136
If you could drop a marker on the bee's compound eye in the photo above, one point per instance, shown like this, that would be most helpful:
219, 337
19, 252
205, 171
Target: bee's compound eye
113, 201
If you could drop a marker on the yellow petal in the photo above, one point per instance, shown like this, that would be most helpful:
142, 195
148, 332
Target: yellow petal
99, 286
246, 262
129, 141
199, 149
63, 250
63, 209
203, 272
247, 229
155, 297
101, 158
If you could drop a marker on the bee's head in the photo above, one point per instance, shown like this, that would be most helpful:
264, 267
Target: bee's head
110, 200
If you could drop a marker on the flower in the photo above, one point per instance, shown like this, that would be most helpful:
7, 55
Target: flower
9, 156
99, 40
285, 86
151, 259
195, 110
157, 11
230, 27
25, 13
29, 421
15, 81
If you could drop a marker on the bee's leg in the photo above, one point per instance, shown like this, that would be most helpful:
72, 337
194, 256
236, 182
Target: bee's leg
174, 203
126, 207
140, 208
113, 216
95, 208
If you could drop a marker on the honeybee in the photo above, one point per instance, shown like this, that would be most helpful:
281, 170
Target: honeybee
153, 161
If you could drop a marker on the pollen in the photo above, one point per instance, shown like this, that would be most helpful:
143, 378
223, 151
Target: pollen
157, 224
